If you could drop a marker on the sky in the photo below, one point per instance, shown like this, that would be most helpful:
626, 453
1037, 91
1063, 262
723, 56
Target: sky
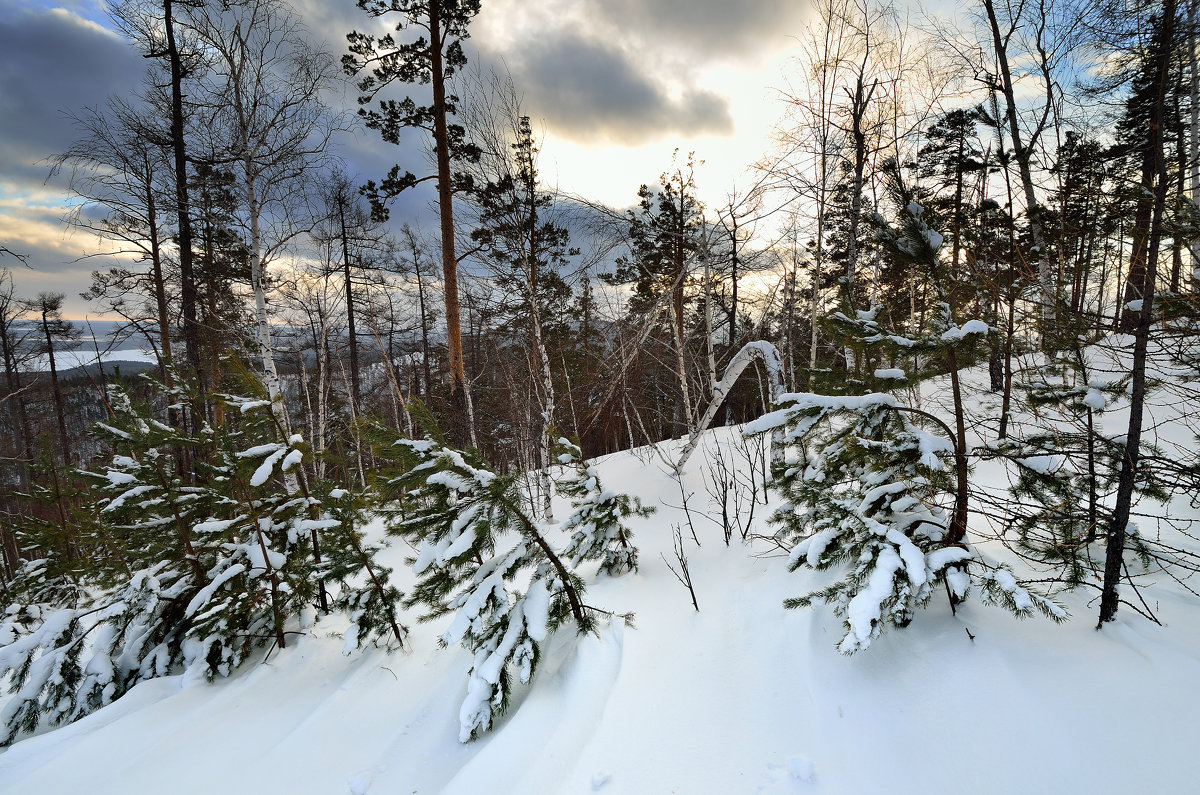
614, 87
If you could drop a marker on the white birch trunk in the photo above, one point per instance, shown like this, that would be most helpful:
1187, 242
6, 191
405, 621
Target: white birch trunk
265, 351
308, 401
813, 309
761, 350
681, 372
547, 416
708, 330
322, 395
470, 414
362, 475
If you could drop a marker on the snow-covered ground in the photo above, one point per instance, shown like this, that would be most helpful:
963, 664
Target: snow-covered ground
83, 357
741, 697
101, 339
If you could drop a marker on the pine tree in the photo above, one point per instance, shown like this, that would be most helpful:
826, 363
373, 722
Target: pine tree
866, 494
664, 236
431, 57
597, 522
1066, 473
190, 573
1084, 216
134, 629
362, 586
484, 560
527, 249
948, 164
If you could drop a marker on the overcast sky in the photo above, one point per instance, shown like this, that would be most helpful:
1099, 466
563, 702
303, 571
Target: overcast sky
614, 86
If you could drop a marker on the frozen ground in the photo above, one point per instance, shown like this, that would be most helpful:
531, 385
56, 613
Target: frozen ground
742, 697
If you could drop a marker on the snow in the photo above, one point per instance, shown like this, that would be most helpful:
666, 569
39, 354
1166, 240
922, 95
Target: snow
124, 497
537, 610
259, 560
292, 459
215, 525
890, 373
863, 612
932, 447
801, 768
1044, 464
946, 556
742, 697
812, 548
1094, 400
261, 450
118, 478
956, 333
263, 473
115, 431
201, 598
800, 401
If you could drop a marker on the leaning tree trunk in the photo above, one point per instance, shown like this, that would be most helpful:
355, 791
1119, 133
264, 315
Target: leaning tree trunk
761, 350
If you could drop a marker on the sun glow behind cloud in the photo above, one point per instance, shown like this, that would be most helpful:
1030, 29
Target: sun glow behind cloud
719, 103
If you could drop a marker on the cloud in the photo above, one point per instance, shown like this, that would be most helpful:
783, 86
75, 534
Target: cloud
53, 63
604, 76
631, 71
703, 28
594, 91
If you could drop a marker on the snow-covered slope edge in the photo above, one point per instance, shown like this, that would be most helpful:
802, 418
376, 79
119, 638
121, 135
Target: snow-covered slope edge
740, 697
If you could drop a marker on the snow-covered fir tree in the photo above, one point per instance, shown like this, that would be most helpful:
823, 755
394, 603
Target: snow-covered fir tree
868, 491
597, 523
487, 562
361, 585
197, 574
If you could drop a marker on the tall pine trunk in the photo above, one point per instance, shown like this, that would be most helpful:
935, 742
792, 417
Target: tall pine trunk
460, 422
187, 279
1148, 233
355, 390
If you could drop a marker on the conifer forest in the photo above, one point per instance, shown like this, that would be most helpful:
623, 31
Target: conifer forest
419, 351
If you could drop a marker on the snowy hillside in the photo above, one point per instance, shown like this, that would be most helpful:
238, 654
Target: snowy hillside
740, 697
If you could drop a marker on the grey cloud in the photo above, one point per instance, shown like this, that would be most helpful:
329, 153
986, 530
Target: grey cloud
52, 63
704, 28
593, 91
